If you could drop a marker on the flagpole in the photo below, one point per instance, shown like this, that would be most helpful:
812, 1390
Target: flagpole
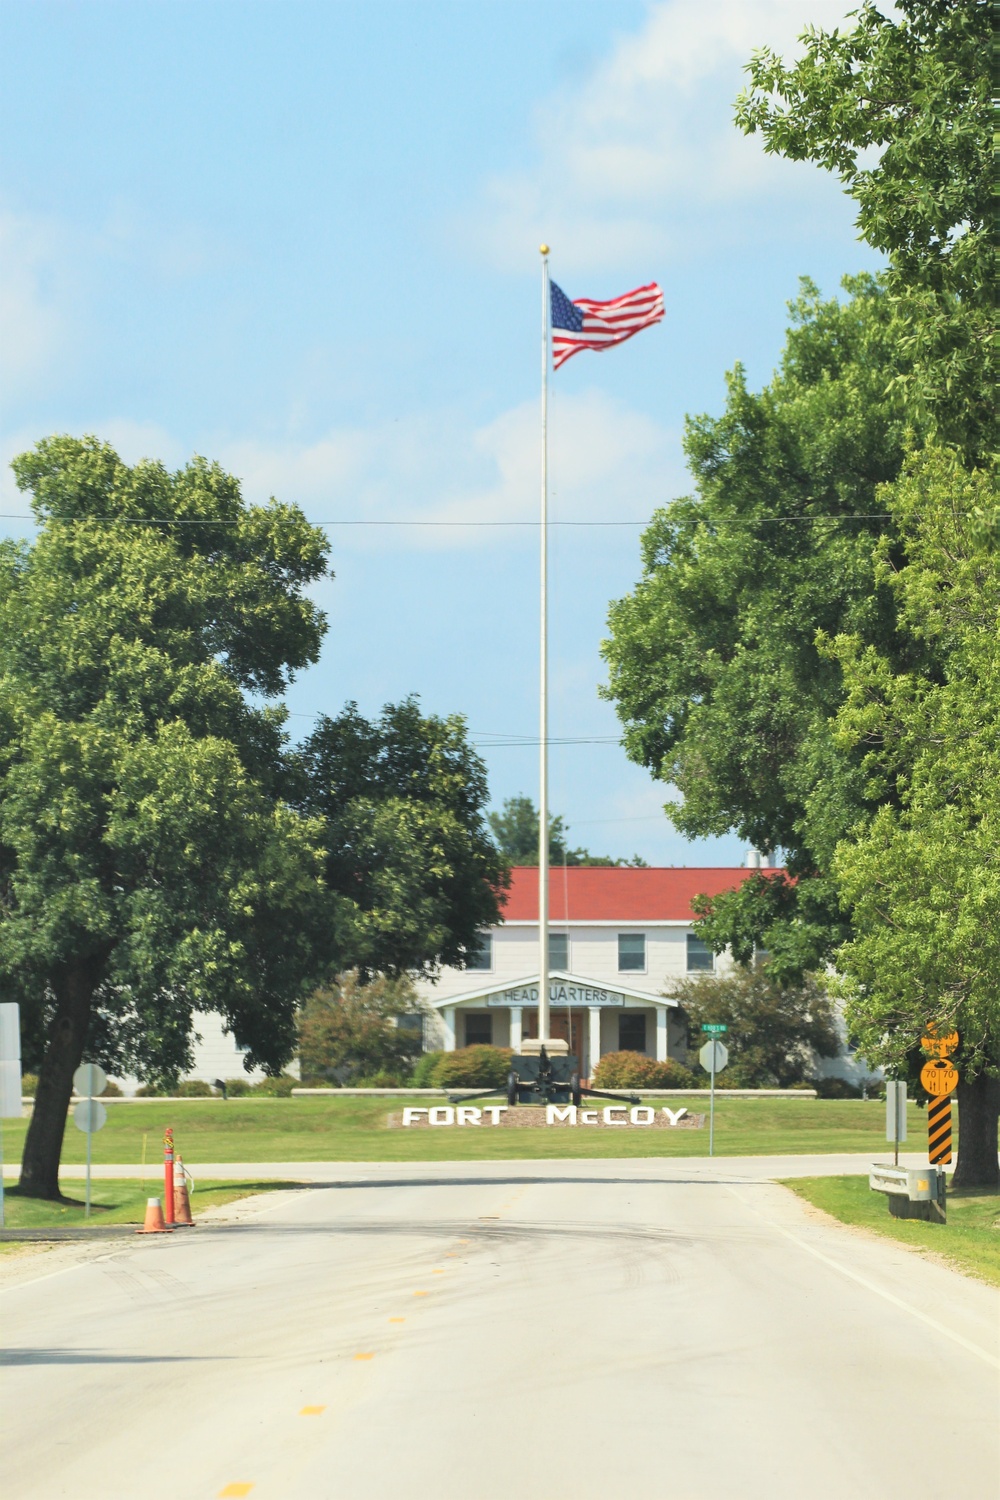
543, 794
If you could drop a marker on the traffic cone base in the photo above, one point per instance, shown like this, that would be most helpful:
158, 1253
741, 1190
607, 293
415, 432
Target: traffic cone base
154, 1222
182, 1203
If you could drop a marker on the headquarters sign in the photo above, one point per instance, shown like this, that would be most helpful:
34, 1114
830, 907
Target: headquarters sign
560, 993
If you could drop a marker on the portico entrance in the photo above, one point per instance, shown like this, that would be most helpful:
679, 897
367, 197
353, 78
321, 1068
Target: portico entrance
568, 1026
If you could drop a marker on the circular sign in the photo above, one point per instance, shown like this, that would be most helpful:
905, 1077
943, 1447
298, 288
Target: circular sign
941, 1045
89, 1079
89, 1115
939, 1078
714, 1056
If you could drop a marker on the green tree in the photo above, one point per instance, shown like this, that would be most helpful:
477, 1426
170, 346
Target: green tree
777, 1032
515, 829
401, 801
713, 661
922, 878
147, 869
351, 1029
900, 108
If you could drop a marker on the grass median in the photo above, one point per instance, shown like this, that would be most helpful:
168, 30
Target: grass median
121, 1201
970, 1240
351, 1128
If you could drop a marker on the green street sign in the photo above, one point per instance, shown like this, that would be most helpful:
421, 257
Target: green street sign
715, 1029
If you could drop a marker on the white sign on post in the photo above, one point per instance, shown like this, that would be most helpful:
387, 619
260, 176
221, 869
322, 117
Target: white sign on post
89, 1115
714, 1056
10, 1061
10, 1075
895, 1113
89, 1080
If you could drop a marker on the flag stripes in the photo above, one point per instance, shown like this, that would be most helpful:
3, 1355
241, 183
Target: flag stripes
939, 1130
587, 324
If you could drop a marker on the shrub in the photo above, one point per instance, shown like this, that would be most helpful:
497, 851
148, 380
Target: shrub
150, 1091
472, 1067
835, 1088
111, 1090
632, 1070
350, 1030
277, 1088
380, 1080
424, 1071
194, 1088
776, 1031
237, 1088
29, 1083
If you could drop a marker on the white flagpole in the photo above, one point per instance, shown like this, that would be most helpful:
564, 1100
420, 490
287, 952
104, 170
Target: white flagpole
543, 794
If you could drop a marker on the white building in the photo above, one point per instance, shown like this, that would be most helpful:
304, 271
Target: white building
619, 938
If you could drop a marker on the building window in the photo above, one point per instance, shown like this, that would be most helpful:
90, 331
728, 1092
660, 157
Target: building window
631, 951
632, 1032
478, 1029
700, 957
481, 957
559, 950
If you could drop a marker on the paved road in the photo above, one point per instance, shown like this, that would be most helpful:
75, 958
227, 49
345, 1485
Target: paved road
827, 1165
476, 1331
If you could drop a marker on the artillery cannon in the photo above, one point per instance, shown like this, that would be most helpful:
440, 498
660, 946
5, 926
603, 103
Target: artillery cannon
535, 1077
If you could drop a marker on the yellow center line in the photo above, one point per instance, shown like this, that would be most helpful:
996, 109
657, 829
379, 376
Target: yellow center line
232, 1491
364, 1356
421, 1294
397, 1320
312, 1411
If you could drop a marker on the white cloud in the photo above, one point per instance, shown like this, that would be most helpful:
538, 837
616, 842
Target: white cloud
32, 327
607, 461
643, 158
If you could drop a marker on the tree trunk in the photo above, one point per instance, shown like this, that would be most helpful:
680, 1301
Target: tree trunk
74, 988
978, 1118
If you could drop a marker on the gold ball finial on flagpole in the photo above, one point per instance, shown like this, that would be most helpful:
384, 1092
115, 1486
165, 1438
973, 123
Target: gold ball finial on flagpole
543, 249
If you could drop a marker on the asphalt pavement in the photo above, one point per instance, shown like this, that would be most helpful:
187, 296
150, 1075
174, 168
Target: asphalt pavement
481, 1331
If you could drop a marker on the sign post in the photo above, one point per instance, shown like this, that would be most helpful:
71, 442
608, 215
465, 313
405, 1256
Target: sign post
895, 1115
90, 1114
10, 1076
939, 1077
713, 1057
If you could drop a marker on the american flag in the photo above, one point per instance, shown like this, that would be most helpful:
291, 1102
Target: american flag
586, 324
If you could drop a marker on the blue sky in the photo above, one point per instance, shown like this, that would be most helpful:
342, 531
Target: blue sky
302, 238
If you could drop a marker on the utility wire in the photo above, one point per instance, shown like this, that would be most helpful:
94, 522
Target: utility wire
673, 521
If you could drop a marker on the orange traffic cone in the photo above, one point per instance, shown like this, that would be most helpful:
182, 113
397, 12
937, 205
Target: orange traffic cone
154, 1223
182, 1204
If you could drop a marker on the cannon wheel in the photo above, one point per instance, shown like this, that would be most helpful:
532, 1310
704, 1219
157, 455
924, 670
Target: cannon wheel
575, 1090
512, 1087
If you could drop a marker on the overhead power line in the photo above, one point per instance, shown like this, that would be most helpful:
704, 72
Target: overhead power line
746, 521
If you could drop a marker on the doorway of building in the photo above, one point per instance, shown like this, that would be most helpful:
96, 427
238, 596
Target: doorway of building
568, 1026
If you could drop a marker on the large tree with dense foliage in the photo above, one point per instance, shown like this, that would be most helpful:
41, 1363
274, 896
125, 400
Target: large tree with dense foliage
922, 877
714, 663
900, 108
147, 868
402, 803
777, 1032
162, 851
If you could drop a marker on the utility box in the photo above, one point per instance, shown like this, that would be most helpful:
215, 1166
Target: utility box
912, 1192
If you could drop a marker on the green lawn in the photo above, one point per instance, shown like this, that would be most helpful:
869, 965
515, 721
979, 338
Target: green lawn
970, 1240
120, 1202
348, 1128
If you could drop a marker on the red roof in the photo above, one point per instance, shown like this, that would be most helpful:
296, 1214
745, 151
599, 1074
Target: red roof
595, 893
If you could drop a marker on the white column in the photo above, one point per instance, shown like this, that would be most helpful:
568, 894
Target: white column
661, 1033
516, 1016
448, 1017
595, 1037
